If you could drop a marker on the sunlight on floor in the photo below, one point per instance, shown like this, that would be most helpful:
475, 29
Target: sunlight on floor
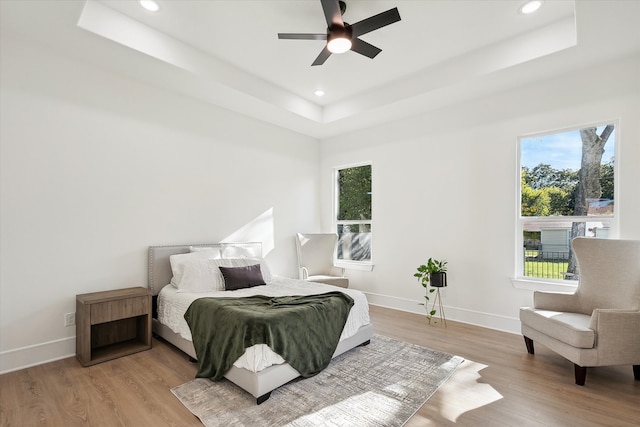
365, 409
463, 392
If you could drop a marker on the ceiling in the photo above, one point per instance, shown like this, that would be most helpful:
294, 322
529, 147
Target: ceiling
227, 52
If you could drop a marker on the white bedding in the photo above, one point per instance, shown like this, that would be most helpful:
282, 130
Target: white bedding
172, 305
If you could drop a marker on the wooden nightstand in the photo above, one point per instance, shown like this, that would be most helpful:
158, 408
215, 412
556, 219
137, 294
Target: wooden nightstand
112, 324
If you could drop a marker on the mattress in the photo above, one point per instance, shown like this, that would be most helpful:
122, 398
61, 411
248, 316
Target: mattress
173, 304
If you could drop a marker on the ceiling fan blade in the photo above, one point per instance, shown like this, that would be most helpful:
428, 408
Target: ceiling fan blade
376, 21
302, 36
332, 13
364, 48
322, 57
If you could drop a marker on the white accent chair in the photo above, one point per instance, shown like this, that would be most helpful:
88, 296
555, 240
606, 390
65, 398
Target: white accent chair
316, 252
598, 324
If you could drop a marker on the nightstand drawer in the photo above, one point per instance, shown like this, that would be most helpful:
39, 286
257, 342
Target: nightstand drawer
119, 309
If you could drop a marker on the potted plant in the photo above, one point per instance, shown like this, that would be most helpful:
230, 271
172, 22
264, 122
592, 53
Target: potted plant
433, 273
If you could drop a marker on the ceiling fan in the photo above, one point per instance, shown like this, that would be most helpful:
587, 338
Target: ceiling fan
341, 36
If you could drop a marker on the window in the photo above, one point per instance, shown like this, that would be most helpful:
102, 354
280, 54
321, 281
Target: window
353, 213
567, 189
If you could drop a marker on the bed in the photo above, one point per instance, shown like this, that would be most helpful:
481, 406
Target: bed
259, 371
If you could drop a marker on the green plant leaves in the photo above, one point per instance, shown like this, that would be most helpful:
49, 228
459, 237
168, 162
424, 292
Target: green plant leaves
423, 274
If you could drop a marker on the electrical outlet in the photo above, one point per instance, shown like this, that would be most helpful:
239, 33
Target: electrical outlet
69, 319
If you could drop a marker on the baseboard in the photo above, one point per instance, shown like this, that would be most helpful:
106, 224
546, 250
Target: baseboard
37, 354
478, 318
24, 357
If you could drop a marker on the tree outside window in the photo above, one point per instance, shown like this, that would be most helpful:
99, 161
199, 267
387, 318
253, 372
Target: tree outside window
353, 213
567, 190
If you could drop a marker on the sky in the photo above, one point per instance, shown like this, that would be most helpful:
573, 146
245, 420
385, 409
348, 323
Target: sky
560, 150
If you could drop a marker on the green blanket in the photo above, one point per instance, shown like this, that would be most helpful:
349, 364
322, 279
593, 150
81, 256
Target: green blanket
304, 330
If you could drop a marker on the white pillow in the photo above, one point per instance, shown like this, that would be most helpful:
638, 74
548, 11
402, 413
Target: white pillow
191, 271
216, 251
196, 272
198, 275
233, 251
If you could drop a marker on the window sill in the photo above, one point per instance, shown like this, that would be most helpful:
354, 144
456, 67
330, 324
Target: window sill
539, 285
363, 266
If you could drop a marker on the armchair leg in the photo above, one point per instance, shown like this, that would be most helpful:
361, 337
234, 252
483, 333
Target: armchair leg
581, 374
636, 372
529, 343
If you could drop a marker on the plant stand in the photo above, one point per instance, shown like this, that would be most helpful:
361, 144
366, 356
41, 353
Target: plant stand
438, 300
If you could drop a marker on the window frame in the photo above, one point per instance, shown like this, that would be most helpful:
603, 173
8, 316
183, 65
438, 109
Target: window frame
519, 280
351, 264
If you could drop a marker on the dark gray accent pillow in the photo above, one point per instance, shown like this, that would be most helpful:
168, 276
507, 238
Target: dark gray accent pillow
242, 277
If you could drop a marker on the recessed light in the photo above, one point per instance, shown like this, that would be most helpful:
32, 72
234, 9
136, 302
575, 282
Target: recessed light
149, 5
319, 92
530, 6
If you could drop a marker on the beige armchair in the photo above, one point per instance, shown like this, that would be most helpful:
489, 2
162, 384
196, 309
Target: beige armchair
598, 324
316, 252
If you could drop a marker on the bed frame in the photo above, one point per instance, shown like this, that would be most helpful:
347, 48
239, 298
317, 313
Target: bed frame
259, 384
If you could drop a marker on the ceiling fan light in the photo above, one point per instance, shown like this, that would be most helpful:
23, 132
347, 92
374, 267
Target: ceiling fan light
339, 45
530, 7
150, 5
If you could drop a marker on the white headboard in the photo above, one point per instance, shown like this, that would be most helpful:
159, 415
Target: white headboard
160, 268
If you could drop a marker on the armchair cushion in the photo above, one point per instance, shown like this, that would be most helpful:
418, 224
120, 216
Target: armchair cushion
570, 328
557, 301
343, 282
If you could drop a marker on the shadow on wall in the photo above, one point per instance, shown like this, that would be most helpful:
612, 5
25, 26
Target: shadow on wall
260, 229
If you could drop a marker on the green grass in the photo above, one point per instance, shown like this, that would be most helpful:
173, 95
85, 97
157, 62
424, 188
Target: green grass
544, 269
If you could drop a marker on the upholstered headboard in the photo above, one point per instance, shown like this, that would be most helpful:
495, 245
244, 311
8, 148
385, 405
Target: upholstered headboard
160, 268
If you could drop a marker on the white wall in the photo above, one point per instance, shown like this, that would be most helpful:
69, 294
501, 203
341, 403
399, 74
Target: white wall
97, 167
444, 186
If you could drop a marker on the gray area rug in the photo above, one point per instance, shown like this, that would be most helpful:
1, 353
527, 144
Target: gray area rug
381, 384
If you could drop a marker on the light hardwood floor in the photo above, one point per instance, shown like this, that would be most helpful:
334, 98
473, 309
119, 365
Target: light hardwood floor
499, 384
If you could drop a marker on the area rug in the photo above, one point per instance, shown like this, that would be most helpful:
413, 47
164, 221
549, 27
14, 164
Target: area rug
382, 384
